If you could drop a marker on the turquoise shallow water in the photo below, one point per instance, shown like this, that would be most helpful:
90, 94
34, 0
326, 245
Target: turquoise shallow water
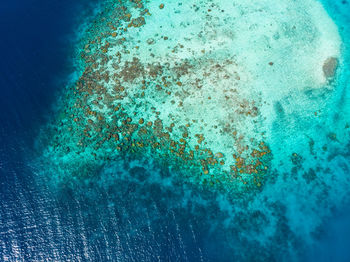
272, 162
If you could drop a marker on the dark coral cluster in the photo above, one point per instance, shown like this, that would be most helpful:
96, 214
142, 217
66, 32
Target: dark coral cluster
103, 118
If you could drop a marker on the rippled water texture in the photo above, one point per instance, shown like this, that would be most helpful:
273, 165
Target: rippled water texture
191, 131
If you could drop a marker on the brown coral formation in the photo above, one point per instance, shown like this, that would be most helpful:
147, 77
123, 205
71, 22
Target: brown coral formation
329, 67
107, 103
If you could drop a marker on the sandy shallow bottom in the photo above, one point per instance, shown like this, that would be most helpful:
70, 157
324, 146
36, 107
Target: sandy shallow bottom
243, 104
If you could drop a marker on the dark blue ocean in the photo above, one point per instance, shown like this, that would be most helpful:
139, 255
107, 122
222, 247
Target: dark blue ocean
91, 222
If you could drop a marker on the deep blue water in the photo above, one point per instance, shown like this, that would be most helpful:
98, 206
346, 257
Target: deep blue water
39, 224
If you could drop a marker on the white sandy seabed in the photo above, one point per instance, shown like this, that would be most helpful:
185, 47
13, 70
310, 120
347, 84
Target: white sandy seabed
296, 38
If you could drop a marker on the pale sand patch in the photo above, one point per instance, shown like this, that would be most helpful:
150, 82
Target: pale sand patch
246, 55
